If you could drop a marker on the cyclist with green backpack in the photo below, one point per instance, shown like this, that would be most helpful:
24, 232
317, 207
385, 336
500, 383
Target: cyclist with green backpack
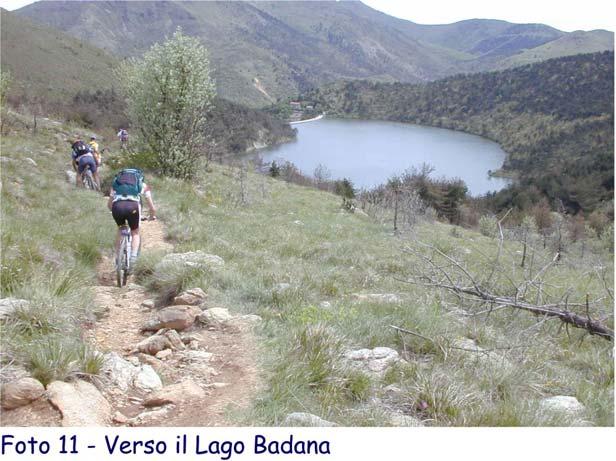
125, 205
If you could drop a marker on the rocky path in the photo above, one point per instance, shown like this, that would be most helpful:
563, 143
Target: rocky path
188, 364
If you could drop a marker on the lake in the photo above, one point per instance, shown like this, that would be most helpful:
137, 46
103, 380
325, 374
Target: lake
369, 152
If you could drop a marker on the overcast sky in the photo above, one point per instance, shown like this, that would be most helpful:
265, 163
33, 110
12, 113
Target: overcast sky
567, 15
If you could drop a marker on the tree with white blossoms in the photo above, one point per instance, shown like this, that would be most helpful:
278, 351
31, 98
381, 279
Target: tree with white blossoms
168, 94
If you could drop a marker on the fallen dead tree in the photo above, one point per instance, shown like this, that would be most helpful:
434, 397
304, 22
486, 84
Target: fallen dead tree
444, 272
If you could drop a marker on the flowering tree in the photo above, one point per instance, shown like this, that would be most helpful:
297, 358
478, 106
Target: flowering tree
169, 93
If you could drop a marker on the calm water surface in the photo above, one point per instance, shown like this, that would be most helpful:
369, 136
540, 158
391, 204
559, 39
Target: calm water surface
369, 152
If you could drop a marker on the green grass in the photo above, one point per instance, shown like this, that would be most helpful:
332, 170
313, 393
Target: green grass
52, 237
301, 237
323, 255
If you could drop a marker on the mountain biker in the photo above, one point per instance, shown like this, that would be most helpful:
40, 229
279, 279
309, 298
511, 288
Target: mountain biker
82, 158
94, 147
125, 205
123, 136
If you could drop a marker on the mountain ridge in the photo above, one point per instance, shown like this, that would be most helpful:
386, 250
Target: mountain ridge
289, 47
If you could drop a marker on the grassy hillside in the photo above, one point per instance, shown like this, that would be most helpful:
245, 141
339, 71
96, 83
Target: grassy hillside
590, 42
554, 119
262, 51
52, 238
46, 63
325, 281
52, 72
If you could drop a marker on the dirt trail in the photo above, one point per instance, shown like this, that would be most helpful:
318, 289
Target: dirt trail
221, 360
229, 374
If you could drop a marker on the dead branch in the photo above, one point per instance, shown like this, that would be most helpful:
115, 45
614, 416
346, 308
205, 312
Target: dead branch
472, 288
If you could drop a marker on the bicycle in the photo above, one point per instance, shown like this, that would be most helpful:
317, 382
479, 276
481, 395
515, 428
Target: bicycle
88, 180
123, 256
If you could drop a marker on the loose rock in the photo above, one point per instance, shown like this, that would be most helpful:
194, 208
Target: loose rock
119, 418
147, 379
192, 259
243, 322
80, 403
565, 405
401, 420
71, 176
175, 340
306, 420
162, 355
176, 317
175, 393
215, 316
150, 416
21, 392
471, 353
373, 361
154, 344
118, 371
10, 305
148, 304
378, 297
193, 297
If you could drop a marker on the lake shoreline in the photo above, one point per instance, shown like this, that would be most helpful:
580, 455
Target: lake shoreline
369, 152
318, 117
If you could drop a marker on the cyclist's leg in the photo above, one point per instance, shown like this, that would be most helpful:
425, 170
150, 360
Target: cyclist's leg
134, 219
119, 215
94, 168
81, 168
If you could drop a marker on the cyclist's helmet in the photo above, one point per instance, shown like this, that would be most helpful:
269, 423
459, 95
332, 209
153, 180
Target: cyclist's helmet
93, 137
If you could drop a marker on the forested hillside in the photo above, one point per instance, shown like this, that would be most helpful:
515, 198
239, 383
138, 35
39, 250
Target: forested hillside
262, 51
554, 119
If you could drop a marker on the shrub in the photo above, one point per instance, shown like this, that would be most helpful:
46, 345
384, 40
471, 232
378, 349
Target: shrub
169, 93
488, 226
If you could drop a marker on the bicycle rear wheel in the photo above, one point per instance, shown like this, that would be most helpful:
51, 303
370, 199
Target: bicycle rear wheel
88, 180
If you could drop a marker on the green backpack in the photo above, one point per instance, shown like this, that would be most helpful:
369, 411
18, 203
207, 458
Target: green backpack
129, 181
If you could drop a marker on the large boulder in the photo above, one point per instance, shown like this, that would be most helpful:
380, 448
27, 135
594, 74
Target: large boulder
175, 317
374, 362
10, 305
80, 403
21, 392
299, 419
192, 259
175, 393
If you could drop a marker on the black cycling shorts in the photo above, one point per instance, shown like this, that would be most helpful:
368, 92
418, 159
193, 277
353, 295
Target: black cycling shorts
124, 211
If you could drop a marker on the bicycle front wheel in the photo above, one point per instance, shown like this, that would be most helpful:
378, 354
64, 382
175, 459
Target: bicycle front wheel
121, 263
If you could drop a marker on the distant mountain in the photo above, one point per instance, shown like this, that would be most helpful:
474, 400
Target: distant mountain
262, 51
44, 62
65, 76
